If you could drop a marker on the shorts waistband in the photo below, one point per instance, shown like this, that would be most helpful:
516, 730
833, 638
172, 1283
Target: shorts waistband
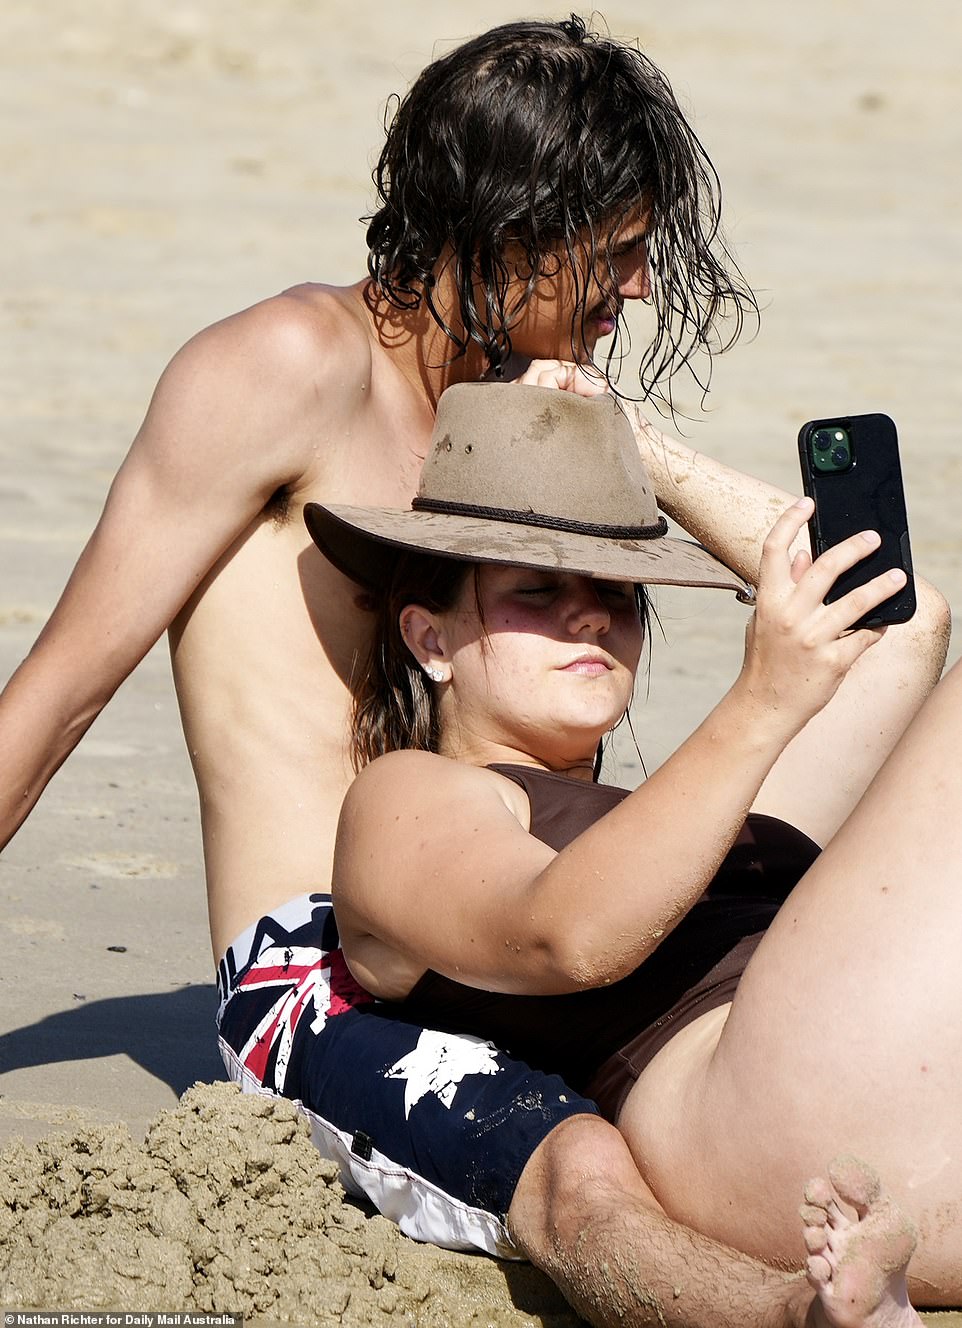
246, 947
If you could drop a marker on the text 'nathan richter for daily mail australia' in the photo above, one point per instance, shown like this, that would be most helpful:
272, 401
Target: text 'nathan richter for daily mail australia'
118, 1319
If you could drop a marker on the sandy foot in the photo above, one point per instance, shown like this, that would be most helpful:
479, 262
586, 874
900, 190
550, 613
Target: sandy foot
859, 1245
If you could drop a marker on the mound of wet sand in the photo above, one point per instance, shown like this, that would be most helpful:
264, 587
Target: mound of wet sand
228, 1207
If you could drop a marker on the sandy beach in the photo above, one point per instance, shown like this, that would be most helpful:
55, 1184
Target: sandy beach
166, 165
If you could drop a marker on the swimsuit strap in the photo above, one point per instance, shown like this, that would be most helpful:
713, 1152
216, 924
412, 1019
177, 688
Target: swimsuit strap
561, 807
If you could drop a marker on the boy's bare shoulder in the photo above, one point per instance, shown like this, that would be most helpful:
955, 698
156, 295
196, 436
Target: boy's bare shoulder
255, 396
265, 383
308, 337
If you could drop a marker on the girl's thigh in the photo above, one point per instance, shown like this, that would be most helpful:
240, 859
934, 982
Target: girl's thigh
845, 1034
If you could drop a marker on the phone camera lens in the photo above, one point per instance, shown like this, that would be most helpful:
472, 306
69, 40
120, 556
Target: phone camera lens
831, 449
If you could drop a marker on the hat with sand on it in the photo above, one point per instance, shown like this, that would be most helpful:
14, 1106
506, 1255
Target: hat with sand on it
529, 476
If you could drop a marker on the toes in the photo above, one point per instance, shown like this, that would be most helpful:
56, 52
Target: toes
822, 1206
819, 1192
818, 1270
855, 1182
816, 1239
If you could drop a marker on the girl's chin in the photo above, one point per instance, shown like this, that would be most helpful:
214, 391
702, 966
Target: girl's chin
572, 754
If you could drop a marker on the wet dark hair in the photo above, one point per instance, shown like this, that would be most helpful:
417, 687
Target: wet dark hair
549, 137
395, 707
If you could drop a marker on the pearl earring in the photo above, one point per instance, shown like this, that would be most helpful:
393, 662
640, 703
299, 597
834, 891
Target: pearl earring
434, 673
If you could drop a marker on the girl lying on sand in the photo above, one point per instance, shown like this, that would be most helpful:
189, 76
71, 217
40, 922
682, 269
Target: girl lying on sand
751, 961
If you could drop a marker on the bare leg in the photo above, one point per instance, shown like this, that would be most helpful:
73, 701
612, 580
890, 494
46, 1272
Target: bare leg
845, 1032
582, 1213
857, 1262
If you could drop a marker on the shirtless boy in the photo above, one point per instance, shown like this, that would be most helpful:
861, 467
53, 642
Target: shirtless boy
328, 394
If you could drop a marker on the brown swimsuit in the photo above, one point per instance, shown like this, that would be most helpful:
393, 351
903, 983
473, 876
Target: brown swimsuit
601, 1039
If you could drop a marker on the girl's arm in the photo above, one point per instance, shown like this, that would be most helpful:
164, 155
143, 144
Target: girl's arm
434, 869
730, 514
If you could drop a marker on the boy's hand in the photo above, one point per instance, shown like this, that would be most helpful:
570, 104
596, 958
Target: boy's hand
584, 381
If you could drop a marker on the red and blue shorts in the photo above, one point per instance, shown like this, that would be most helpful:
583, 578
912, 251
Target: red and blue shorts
433, 1128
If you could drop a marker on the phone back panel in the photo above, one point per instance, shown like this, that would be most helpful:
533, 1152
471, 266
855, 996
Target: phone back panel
866, 496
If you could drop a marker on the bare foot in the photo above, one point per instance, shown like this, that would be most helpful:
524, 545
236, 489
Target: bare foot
859, 1245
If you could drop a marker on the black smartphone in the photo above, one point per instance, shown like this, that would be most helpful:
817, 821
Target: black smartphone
850, 467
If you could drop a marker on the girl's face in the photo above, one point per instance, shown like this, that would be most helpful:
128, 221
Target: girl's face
546, 674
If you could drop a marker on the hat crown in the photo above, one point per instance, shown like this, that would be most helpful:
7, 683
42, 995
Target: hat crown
537, 450
527, 476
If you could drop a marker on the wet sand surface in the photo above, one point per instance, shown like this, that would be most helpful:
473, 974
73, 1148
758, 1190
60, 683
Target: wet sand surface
166, 165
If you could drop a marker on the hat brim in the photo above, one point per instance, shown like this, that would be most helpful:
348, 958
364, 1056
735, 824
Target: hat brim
362, 542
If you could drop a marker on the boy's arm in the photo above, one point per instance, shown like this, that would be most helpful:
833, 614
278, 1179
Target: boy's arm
731, 514
728, 512
227, 425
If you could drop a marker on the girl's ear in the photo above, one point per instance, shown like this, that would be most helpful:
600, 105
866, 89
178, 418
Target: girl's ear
421, 633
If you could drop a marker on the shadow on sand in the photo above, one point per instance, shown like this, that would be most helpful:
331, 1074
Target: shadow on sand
170, 1034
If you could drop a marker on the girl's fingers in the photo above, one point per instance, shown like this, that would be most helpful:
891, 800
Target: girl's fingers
826, 569
854, 644
800, 565
775, 567
862, 600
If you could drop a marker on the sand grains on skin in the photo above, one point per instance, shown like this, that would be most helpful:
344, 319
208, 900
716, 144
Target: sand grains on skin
228, 1207
859, 1246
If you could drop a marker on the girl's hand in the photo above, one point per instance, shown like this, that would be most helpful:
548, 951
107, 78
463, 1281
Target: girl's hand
797, 648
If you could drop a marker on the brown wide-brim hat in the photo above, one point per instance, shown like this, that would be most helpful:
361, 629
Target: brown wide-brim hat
530, 476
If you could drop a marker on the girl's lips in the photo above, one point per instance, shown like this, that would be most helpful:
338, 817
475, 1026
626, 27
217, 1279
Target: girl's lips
589, 667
